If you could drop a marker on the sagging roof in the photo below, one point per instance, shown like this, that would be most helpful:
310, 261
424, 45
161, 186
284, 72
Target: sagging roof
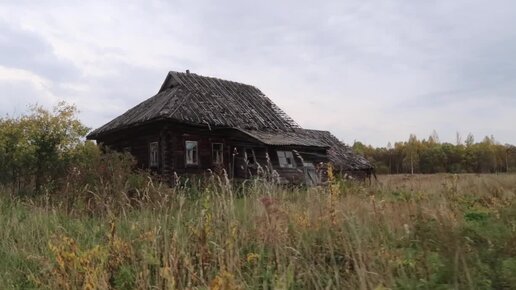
339, 154
195, 99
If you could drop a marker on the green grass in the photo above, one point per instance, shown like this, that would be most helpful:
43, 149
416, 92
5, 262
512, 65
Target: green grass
404, 232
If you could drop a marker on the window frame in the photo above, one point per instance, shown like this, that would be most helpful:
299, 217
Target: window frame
285, 156
195, 158
213, 159
152, 162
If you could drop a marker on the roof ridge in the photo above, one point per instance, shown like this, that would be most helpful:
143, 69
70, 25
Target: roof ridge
213, 78
197, 84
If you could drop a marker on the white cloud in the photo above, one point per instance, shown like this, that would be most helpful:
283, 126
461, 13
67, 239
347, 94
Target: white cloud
20, 88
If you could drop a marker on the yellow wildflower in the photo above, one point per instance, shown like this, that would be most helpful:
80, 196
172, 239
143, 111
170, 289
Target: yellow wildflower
251, 257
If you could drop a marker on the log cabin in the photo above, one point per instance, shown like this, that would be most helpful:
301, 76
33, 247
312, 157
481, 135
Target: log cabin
196, 123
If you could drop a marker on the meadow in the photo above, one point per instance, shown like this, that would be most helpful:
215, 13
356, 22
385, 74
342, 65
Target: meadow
441, 231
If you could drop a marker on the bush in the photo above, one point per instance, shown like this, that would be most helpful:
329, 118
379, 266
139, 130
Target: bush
36, 148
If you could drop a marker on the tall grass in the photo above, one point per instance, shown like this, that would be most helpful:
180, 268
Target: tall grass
421, 232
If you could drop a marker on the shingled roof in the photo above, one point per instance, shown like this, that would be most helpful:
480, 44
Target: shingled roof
194, 99
340, 154
199, 100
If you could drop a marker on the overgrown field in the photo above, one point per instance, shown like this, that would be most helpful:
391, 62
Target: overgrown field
404, 232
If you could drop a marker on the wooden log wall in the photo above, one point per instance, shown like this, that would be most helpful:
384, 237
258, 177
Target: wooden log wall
172, 152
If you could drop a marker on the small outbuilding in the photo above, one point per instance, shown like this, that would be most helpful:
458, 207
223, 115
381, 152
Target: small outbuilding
195, 123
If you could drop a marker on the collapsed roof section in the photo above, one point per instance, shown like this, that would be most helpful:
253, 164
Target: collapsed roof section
340, 154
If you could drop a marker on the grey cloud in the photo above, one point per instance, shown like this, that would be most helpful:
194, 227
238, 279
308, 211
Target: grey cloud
26, 50
16, 97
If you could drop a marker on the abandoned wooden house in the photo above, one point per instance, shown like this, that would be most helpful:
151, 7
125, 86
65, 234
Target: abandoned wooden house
195, 123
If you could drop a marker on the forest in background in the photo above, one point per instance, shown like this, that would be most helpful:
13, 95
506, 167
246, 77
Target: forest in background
431, 156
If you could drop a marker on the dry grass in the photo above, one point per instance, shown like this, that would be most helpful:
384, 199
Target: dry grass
405, 232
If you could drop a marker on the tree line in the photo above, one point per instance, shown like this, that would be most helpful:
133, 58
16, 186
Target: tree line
431, 156
44, 150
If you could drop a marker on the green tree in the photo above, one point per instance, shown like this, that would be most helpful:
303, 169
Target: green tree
16, 153
431, 156
411, 153
433, 160
36, 147
454, 157
510, 158
470, 140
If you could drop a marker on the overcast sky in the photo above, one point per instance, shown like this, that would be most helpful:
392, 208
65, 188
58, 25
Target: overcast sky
373, 71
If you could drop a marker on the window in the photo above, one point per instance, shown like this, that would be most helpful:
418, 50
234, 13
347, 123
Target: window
249, 156
153, 158
217, 153
286, 159
192, 152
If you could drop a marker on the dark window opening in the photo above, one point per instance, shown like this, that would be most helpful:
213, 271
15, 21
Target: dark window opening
217, 153
250, 157
153, 152
192, 153
286, 159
